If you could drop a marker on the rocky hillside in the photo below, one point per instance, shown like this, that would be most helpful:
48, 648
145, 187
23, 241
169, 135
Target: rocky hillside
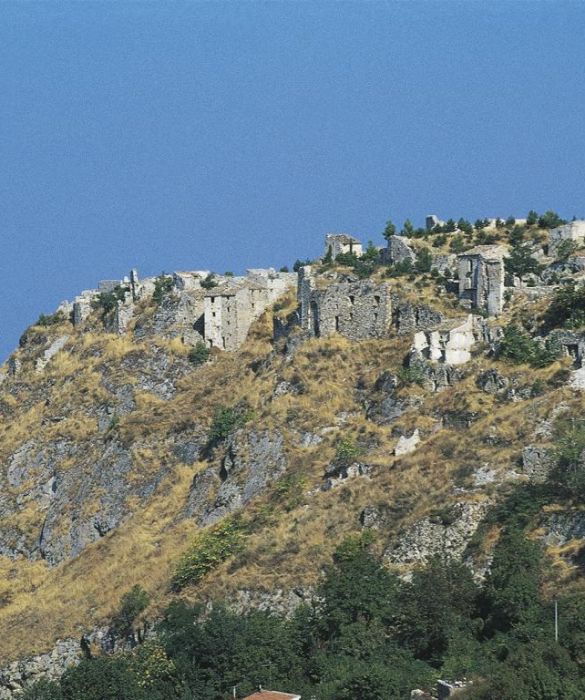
127, 453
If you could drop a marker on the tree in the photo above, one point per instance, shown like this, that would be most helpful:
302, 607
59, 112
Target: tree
199, 354
550, 219
512, 586
567, 309
436, 607
532, 218
101, 679
465, 226
424, 260
457, 244
132, 604
390, 230
408, 229
520, 260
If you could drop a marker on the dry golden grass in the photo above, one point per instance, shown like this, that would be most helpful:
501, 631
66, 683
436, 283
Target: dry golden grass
39, 604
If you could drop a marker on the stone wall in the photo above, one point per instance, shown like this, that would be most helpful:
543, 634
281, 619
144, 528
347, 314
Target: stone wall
481, 278
574, 231
450, 342
356, 310
342, 243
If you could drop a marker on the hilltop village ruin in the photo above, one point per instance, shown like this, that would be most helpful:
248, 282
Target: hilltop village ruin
201, 307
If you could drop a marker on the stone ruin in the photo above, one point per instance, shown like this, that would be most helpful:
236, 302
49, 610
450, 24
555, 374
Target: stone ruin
355, 309
230, 308
450, 342
342, 243
201, 307
574, 232
481, 278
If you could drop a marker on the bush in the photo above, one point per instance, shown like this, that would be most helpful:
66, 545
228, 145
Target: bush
567, 309
550, 219
163, 284
51, 320
424, 260
107, 301
520, 261
226, 419
199, 354
209, 282
301, 263
411, 375
517, 346
132, 604
566, 249
347, 451
209, 550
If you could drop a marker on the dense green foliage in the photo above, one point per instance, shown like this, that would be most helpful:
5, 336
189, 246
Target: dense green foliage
209, 549
107, 301
367, 635
567, 309
226, 420
163, 284
199, 354
517, 346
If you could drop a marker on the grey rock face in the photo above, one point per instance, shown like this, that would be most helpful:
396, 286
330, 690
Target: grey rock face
537, 462
338, 474
251, 462
562, 527
429, 537
492, 382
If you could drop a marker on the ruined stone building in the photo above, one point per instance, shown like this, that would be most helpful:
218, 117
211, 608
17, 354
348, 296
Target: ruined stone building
232, 306
450, 342
342, 243
574, 232
481, 278
356, 310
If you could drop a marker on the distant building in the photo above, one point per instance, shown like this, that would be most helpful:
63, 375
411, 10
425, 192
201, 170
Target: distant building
271, 695
481, 278
342, 243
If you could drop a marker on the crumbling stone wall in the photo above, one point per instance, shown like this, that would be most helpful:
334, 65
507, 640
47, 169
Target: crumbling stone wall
450, 342
342, 243
357, 310
574, 231
481, 278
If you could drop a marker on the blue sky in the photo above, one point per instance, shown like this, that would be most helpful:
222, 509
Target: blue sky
171, 135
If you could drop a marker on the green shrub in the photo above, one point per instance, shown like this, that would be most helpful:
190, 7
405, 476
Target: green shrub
107, 301
424, 260
566, 249
520, 260
199, 354
290, 491
567, 309
132, 604
550, 219
209, 282
411, 375
226, 419
210, 548
347, 450
51, 319
163, 284
518, 347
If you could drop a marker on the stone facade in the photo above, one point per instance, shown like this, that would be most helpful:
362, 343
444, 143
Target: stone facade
356, 310
481, 278
399, 250
574, 231
450, 342
231, 307
431, 220
342, 243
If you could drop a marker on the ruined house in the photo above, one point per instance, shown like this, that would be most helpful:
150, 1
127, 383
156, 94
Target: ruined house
231, 307
573, 232
481, 278
450, 342
342, 243
357, 310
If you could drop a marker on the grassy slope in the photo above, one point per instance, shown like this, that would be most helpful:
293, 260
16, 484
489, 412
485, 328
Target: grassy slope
39, 604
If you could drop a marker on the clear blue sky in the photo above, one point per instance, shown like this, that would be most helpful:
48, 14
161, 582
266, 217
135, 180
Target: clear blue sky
171, 135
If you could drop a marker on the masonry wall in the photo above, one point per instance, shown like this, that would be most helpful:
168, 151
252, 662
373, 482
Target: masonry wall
356, 310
